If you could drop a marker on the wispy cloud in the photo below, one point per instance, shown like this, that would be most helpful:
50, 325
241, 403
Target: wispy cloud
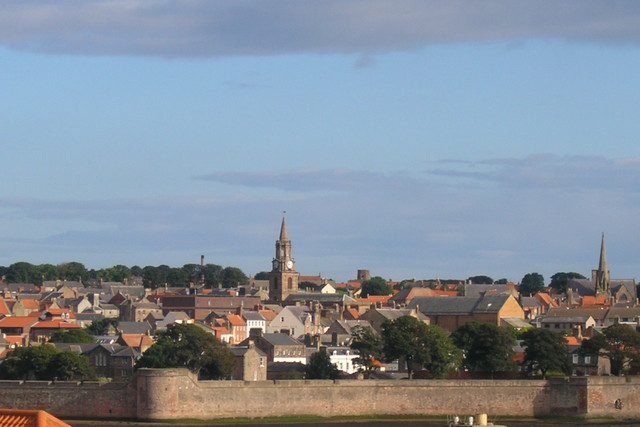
199, 28
540, 213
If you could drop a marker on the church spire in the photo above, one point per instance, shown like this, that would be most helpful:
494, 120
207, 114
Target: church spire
283, 230
603, 266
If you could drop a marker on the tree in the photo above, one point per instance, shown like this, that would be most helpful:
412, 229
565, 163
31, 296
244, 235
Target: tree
233, 277
191, 347
545, 351
559, 281
368, 344
485, 347
100, 327
481, 280
72, 271
44, 362
21, 272
375, 286
618, 343
420, 345
76, 336
531, 283
501, 281
263, 275
67, 366
320, 367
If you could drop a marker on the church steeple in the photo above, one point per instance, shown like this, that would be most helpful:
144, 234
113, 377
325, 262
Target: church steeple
601, 276
284, 277
283, 230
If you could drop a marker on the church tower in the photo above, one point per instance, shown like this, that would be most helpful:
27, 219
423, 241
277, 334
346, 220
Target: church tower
601, 276
284, 277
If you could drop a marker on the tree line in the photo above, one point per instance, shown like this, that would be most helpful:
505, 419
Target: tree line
151, 276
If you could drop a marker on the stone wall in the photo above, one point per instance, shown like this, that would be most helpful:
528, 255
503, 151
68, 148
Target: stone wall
71, 399
176, 394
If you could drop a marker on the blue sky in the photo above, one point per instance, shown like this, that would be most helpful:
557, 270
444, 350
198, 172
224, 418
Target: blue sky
432, 139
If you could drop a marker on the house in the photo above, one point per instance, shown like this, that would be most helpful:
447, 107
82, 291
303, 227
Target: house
108, 360
41, 332
173, 317
279, 347
597, 313
477, 290
405, 296
343, 358
134, 328
451, 313
296, 321
255, 320
138, 342
251, 362
198, 307
585, 364
138, 311
24, 307
339, 332
238, 328
568, 324
17, 329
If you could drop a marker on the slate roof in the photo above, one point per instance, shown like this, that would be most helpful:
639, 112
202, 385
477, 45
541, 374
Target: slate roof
133, 327
587, 286
475, 291
459, 305
241, 350
568, 319
321, 298
253, 315
280, 339
596, 313
530, 302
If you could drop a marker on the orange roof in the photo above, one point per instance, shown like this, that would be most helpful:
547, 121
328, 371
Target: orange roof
353, 285
29, 418
594, 300
354, 313
269, 315
137, 340
545, 298
372, 299
236, 320
4, 308
219, 331
438, 293
573, 341
17, 322
30, 304
55, 324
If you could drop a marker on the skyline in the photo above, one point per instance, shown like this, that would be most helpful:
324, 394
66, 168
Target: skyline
440, 139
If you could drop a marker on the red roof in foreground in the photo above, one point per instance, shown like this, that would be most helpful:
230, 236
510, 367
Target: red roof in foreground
17, 322
29, 418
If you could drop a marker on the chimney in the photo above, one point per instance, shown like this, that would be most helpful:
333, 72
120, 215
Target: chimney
251, 343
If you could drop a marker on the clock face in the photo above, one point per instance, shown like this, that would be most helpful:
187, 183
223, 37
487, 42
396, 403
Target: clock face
289, 264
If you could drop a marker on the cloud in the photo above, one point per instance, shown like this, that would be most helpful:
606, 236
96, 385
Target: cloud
203, 28
539, 213
552, 172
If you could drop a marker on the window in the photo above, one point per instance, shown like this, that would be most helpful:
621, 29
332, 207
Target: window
290, 283
575, 359
275, 283
587, 360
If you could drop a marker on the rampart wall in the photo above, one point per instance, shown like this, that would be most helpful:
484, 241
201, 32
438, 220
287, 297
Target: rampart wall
177, 394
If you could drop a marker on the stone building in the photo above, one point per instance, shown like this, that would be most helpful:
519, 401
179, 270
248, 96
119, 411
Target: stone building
251, 362
284, 277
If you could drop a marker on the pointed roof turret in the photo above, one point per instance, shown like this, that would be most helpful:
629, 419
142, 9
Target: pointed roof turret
283, 230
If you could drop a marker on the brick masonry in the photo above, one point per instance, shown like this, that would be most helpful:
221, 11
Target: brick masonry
176, 394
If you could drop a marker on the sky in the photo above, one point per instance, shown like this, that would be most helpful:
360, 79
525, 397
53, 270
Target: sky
416, 139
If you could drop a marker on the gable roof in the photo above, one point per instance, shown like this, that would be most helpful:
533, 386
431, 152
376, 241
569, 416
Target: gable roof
54, 324
17, 322
460, 305
133, 327
280, 339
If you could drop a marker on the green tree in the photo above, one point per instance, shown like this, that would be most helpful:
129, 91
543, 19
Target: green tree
72, 271
531, 283
191, 347
501, 281
21, 272
545, 351
263, 275
76, 336
100, 327
618, 343
485, 347
481, 280
368, 344
320, 367
375, 286
233, 277
68, 366
560, 280
420, 345
44, 362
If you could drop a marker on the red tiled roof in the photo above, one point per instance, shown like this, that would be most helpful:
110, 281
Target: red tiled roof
236, 320
137, 340
372, 299
354, 313
16, 340
30, 304
29, 418
4, 308
269, 315
55, 324
572, 341
17, 322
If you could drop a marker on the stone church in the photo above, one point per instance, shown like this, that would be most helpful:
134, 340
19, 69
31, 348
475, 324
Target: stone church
284, 277
619, 291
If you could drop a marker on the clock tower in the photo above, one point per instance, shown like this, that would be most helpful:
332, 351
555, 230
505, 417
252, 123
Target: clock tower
284, 277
